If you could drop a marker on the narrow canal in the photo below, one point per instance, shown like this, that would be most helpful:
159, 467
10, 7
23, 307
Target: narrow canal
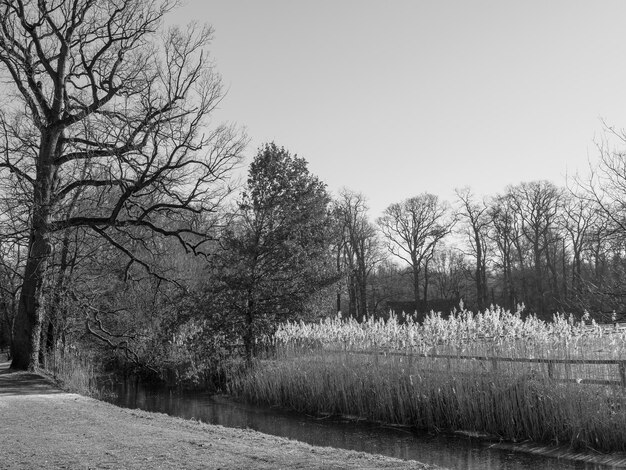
449, 452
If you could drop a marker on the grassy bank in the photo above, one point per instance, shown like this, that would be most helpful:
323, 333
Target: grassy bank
323, 369
44, 428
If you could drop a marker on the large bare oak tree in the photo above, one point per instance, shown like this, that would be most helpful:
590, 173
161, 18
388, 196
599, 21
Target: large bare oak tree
107, 110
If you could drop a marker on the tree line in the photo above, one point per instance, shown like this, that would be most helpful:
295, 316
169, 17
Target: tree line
122, 229
552, 249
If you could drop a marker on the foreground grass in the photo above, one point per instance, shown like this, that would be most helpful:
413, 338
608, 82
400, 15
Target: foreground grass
45, 428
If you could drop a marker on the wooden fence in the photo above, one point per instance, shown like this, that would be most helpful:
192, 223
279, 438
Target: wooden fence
495, 363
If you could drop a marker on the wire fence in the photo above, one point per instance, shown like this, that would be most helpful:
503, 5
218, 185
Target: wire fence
582, 371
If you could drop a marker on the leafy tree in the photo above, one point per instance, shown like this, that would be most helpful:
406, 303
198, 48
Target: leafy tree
100, 107
277, 248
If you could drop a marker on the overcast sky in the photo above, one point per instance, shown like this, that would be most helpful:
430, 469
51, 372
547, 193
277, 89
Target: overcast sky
394, 98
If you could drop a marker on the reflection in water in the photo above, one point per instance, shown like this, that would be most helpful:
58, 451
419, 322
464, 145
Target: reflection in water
449, 452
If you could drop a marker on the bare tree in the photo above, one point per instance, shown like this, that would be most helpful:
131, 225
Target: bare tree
14, 217
537, 204
579, 217
412, 229
450, 269
477, 225
606, 184
103, 108
359, 248
506, 235
605, 190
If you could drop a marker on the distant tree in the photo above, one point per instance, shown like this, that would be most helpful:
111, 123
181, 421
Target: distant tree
359, 248
537, 204
277, 248
476, 227
505, 234
449, 271
412, 230
13, 249
605, 191
98, 108
578, 218
387, 282
606, 184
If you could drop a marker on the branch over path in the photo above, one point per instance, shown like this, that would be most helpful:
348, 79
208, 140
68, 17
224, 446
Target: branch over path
43, 427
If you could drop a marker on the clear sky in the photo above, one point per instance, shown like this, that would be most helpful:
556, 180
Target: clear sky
393, 98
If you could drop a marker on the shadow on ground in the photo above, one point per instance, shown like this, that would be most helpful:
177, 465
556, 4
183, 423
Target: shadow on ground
17, 383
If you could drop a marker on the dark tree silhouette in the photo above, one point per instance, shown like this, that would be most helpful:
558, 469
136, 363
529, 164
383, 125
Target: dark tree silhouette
278, 247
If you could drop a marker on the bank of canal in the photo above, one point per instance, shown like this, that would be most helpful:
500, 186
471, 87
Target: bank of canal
453, 452
42, 427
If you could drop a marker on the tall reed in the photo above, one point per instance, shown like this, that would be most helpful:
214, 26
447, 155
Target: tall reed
74, 371
339, 367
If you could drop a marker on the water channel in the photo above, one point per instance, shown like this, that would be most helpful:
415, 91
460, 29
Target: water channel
449, 452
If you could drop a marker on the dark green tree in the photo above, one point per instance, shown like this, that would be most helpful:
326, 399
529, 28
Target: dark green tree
277, 249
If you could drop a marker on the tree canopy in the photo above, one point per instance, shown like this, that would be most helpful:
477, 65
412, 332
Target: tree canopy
277, 250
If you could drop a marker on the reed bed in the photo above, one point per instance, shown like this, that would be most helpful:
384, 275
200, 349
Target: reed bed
74, 372
494, 331
392, 371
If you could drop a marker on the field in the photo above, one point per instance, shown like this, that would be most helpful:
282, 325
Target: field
518, 379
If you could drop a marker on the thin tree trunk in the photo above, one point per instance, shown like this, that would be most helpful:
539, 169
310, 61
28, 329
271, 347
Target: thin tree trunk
426, 285
480, 275
416, 287
352, 297
248, 335
362, 295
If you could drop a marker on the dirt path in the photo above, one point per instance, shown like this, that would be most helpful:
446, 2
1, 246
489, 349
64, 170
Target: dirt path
44, 427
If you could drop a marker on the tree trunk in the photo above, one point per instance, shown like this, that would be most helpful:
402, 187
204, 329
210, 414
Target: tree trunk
511, 294
352, 297
426, 285
564, 289
249, 334
481, 290
416, 287
577, 273
27, 333
362, 295
538, 284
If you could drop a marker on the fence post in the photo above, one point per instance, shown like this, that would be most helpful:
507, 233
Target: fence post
551, 369
622, 373
494, 363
